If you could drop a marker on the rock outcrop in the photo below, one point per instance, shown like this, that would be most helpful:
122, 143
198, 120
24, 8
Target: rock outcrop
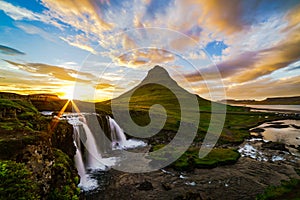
42, 155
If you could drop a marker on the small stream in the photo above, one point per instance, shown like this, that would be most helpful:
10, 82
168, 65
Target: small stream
274, 141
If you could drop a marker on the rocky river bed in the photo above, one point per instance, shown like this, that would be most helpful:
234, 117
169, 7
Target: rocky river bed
243, 180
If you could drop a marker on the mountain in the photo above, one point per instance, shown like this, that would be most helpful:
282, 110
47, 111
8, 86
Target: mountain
269, 101
159, 88
156, 88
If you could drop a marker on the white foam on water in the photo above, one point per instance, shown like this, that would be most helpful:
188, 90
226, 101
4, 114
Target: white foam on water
277, 158
190, 183
130, 144
88, 184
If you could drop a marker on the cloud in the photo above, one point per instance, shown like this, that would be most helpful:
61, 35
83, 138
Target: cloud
16, 81
84, 15
18, 13
225, 17
103, 86
10, 51
252, 65
56, 72
138, 57
107, 87
274, 58
79, 41
227, 68
34, 30
294, 68
265, 87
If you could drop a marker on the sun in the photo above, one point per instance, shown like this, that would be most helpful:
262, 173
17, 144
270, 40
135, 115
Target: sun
67, 93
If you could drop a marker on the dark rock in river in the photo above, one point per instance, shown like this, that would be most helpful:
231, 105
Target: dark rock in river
257, 130
277, 126
145, 186
277, 123
295, 126
275, 146
167, 186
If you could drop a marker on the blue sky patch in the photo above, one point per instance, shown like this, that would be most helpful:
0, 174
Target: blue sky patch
215, 48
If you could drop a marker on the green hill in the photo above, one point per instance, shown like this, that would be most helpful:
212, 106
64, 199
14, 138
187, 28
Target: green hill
168, 93
157, 88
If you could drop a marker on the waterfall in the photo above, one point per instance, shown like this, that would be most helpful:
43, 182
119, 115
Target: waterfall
80, 166
87, 154
118, 137
78, 157
94, 156
86, 182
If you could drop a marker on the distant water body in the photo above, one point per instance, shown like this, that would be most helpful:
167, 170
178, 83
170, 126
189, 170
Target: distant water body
273, 107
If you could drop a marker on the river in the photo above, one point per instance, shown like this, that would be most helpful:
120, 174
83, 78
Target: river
272, 108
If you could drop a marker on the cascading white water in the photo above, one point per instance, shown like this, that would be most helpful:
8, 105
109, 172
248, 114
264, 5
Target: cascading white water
118, 137
87, 155
80, 166
94, 156
117, 134
86, 182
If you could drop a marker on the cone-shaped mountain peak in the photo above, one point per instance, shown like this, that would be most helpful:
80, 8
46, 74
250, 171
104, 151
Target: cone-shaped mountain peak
157, 70
157, 86
158, 75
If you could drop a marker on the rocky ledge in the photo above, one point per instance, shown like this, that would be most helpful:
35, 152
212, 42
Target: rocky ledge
36, 155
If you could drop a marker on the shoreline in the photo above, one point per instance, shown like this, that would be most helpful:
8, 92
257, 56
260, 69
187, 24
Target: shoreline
284, 111
252, 106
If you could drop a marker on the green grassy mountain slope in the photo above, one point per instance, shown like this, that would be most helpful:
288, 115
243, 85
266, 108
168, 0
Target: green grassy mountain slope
159, 88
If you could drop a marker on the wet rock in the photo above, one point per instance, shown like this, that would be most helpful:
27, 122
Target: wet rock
257, 130
167, 186
193, 196
277, 126
145, 186
62, 138
189, 196
275, 146
295, 126
276, 123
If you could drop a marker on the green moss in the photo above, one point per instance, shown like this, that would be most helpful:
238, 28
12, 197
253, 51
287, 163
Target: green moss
190, 159
19, 104
287, 190
216, 157
16, 182
65, 182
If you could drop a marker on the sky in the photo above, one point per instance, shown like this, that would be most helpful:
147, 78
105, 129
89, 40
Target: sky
98, 49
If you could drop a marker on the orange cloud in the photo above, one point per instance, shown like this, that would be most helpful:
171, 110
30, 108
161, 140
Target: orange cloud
272, 59
101, 86
81, 14
252, 65
140, 57
265, 87
224, 16
53, 71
